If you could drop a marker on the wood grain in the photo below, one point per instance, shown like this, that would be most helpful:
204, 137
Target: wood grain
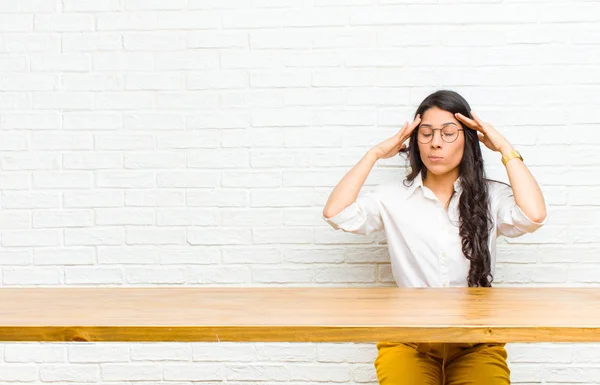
187, 314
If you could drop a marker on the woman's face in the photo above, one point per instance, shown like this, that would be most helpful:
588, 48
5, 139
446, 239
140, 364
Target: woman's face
448, 155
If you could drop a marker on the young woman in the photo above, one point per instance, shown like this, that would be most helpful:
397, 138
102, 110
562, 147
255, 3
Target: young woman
441, 225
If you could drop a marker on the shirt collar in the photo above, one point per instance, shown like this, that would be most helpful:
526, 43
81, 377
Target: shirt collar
418, 182
458, 184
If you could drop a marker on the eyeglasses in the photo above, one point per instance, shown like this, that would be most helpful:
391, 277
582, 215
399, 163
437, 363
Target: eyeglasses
449, 134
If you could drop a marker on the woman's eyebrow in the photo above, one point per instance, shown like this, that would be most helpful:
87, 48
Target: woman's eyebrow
429, 125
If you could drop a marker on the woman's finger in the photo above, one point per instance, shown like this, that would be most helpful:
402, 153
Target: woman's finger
411, 127
468, 121
485, 127
416, 122
477, 120
401, 131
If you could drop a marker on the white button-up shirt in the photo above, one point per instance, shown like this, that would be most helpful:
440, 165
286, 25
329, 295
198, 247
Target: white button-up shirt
423, 241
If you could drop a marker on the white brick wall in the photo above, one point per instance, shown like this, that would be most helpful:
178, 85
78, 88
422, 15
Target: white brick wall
195, 142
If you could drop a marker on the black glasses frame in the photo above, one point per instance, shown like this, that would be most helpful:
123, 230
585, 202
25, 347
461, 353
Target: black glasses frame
433, 134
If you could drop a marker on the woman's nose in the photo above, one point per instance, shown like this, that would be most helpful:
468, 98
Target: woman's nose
436, 141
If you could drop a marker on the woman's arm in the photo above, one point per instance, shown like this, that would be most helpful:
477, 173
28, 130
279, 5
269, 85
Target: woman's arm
528, 195
346, 191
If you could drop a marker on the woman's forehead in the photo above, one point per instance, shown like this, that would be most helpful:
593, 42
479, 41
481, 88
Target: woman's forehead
438, 117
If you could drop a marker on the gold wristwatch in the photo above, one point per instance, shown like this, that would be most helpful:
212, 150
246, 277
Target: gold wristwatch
508, 156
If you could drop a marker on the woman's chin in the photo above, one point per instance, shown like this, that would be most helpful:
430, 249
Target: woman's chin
438, 169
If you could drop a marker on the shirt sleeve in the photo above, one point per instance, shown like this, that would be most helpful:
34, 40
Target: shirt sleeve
511, 221
363, 216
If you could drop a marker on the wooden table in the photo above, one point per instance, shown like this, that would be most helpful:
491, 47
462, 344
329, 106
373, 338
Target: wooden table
188, 314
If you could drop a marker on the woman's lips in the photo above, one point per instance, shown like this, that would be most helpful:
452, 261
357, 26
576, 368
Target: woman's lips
435, 158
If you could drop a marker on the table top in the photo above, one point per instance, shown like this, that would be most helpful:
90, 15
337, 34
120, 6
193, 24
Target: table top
293, 314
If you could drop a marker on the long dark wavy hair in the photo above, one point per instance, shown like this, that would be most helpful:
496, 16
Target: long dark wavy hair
475, 221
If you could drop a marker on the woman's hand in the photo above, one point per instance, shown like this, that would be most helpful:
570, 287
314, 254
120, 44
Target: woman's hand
487, 134
392, 146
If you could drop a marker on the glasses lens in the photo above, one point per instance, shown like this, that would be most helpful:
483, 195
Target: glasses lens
425, 135
450, 133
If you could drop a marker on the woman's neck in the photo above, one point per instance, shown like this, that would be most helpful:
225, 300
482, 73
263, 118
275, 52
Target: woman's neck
441, 184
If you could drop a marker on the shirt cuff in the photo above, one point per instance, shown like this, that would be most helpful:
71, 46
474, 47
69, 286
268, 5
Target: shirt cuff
523, 222
339, 220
